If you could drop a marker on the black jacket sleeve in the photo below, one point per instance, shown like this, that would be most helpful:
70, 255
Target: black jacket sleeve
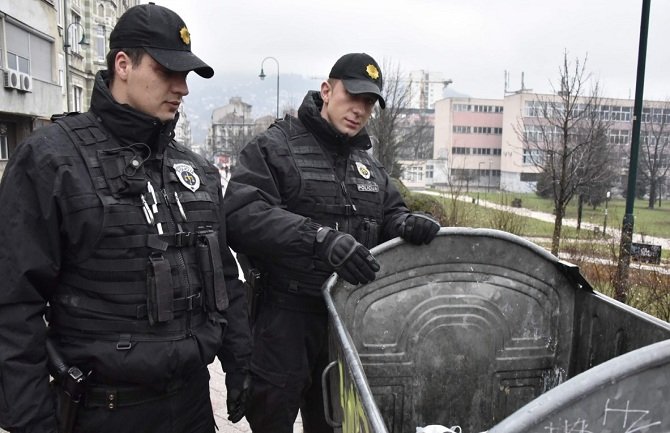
258, 221
29, 266
235, 352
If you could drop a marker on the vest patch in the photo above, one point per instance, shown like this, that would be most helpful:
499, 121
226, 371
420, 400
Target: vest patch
187, 176
368, 187
363, 170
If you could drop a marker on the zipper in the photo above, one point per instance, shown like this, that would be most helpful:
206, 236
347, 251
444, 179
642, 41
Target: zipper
181, 262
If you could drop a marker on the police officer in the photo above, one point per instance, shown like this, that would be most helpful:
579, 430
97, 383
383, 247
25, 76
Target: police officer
120, 231
307, 199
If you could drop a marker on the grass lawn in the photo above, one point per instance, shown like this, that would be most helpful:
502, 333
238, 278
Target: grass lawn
653, 222
471, 215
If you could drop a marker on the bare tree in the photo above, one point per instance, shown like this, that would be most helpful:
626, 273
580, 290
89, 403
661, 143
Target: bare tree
655, 148
385, 124
417, 135
565, 138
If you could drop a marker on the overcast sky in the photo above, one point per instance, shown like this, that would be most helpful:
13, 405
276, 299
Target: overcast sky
473, 42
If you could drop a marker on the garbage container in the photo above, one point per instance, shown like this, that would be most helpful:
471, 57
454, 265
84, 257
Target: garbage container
466, 331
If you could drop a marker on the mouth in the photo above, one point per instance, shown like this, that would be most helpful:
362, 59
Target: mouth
174, 104
352, 123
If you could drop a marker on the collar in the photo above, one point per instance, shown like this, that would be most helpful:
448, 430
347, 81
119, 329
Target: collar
309, 114
129, 125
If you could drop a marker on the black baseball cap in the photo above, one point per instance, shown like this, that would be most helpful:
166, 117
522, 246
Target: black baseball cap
163, 34
360, 74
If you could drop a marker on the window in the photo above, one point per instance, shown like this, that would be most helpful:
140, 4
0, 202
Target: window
530, 177
100, 37
28, 53
533, 109
460, 150
4, 151
429, 171
619, 136
78, 92
532, 157
458, 129
74, 33
621, 114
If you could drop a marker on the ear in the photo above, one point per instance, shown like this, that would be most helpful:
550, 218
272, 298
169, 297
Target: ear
326, 90
122, 65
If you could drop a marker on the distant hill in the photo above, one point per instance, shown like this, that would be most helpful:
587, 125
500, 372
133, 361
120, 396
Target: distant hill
207, 95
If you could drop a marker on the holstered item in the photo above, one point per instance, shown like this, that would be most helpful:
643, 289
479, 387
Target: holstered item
254, 283
211, 269
160, 295
71, 386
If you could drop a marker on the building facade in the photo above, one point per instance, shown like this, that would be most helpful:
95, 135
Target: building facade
483, 138
50, 51
231, 128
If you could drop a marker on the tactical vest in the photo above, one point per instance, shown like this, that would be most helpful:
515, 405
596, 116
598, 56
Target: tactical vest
155, 272
354, 204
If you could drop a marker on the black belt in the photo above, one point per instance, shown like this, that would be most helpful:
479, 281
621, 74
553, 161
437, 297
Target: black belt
112, 397
296, 302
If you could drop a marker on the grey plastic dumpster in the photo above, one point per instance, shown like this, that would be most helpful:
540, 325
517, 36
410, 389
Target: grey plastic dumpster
466, 331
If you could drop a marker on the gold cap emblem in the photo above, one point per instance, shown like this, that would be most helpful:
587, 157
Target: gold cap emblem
185, 35
372, 71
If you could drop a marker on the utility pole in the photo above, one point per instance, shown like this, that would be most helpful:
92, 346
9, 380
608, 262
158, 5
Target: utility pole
621, 283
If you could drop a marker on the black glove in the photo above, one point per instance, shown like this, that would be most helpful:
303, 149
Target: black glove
237, 389
351, 260
419, 229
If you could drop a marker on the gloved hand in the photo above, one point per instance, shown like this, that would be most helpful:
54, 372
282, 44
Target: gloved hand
350, 259
237, 388
419, 229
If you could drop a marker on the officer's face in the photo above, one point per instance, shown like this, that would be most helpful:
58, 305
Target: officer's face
346, 112
149, 87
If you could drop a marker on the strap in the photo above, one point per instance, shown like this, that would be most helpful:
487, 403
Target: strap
160, 299
216, 296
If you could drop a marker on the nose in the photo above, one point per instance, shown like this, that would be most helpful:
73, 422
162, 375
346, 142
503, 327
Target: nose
359, 106
179, 84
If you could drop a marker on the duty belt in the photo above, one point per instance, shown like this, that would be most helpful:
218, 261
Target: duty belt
296, 302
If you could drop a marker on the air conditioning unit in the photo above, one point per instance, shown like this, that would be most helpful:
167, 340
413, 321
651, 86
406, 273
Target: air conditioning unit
26, 82
11, 79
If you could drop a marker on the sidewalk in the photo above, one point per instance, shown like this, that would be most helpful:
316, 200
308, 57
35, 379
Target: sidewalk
547, 217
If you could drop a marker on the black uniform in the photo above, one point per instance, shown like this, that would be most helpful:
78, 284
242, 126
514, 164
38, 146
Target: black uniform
121, 231
298, 176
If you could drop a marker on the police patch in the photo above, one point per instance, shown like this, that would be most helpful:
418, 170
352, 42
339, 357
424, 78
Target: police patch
187, 177
362, 170
368, 187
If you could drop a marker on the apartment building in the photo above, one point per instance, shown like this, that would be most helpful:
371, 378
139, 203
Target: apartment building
469, 136
50, 51
480, 137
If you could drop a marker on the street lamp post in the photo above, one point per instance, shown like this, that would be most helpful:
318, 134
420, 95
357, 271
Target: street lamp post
488, 182
66, 48
479, 177
262, 77
607, 199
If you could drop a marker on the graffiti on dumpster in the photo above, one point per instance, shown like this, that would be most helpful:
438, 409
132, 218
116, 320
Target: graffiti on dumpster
626, 419
354, 418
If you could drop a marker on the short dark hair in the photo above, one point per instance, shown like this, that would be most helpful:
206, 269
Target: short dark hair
135, 55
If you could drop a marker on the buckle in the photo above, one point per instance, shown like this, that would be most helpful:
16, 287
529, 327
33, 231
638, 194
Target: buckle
183, 239
190, 301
